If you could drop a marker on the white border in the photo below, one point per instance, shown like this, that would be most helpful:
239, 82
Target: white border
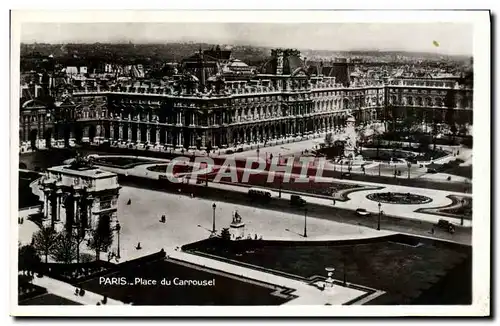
481, 163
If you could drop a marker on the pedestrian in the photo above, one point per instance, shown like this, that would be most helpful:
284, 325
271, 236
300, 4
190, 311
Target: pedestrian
432, 231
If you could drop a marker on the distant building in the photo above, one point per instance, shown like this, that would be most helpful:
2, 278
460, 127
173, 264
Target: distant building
220, 102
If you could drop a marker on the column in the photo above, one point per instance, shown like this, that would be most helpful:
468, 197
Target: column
76, 200
46, 205
148, 134
120, 132
203, 139
168, 135
158, 134
58, 205
129, 131
98, 132
111, 131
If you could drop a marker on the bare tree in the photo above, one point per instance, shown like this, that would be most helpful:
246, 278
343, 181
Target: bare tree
64, 250
101, 237
44, 241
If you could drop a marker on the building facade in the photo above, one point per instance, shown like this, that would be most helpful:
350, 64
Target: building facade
287, 99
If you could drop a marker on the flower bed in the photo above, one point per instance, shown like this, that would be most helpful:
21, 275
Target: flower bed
399, 198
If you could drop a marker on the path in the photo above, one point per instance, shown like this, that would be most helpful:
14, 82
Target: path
67, 291
307, 294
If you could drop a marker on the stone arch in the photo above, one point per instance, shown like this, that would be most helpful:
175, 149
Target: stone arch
143, 130
33, 137
419, 101
346, 104
78, 134
152, 134
48, 137
92, 133
428, 101
410, 100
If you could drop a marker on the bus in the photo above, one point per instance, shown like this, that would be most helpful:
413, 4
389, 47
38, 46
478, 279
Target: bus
259, 193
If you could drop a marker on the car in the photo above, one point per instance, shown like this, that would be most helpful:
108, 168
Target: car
362, 212
296, 200
345, 175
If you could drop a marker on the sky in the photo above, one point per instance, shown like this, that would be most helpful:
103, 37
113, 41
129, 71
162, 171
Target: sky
453, 38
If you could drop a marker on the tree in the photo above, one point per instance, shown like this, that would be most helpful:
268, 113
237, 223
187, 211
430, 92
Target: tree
225, 234
28, 259
64, 250
409, 123
44, 240
102, 236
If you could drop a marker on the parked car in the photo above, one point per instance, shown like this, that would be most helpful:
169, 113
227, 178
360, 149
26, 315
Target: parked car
296, 200
362, 212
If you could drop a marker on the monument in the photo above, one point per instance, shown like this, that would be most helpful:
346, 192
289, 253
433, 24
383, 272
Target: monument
350, 138
237, 226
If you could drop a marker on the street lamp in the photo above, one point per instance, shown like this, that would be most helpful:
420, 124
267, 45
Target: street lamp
76, 228
379, 213
305, 223
118, 228
462, 215
213, 218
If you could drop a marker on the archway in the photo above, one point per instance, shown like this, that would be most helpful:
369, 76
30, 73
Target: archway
23, 166
92, 132
143, 131
66, 135
78, 134
33, 138
134, 132
48, 138
163, 139
125, 132
152, 136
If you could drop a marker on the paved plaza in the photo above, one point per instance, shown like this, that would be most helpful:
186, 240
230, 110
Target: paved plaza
190, 219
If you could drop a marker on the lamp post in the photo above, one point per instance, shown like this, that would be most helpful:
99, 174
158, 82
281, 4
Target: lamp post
213, 218
379, 213
409, 167
76, 228
305, 223
462, 215
118, 228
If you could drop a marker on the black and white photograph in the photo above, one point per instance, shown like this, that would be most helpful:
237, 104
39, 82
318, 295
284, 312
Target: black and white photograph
303, 163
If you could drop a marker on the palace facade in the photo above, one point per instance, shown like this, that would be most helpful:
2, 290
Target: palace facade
215, 106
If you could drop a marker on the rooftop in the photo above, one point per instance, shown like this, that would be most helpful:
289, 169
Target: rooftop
88, 172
